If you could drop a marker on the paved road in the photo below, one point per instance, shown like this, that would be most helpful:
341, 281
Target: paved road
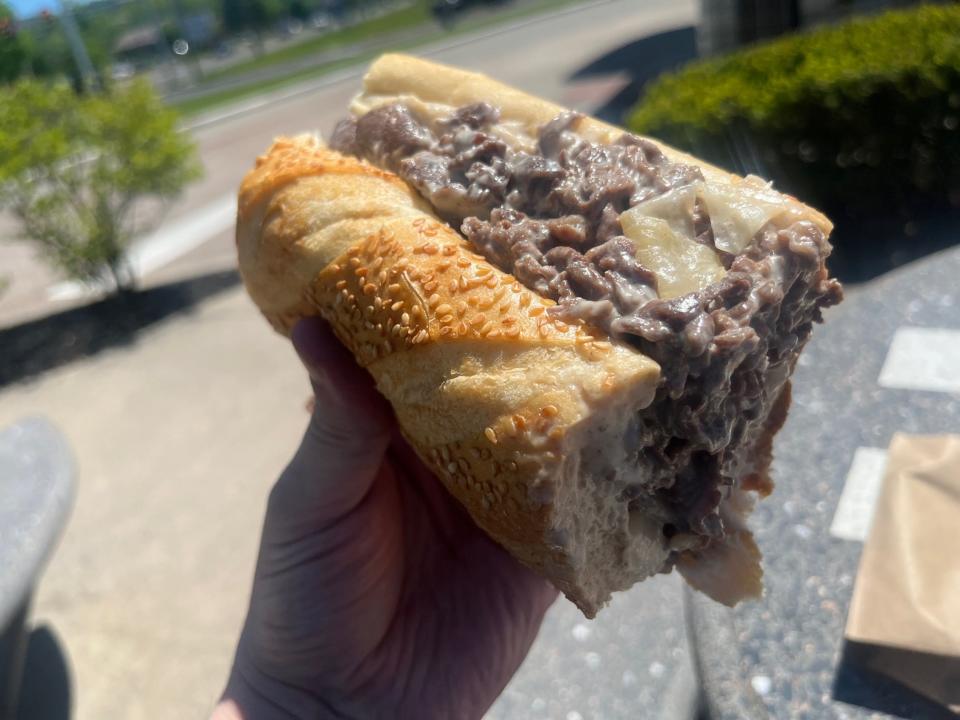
536, 54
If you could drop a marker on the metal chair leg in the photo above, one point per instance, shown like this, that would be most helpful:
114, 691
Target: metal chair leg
13, 646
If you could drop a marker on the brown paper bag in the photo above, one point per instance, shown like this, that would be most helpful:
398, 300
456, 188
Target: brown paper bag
905, 611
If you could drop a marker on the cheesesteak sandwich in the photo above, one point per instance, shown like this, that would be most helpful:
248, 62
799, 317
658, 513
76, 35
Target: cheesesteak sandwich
586, 335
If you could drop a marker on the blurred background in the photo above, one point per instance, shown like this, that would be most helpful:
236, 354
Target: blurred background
125, 128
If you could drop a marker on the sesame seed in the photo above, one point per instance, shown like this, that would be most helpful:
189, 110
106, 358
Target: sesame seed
478, 319
433, 300
549, 411
341, 284
376, 264
491, 435
525, 300
449, 250
430, 286
443, 266
452, 467
334, 268
405, 319
492, 281
536, 311
393, 288
354, 261
420, 337
512, 332
430, 248
397, 305
463, 262
486, 328
495, 333
417, 311
360, 271
446, 319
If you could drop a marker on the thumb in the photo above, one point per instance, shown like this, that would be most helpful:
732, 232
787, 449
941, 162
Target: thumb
348, 434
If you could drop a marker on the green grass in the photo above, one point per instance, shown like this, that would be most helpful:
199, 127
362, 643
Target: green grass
432, 32
416, 14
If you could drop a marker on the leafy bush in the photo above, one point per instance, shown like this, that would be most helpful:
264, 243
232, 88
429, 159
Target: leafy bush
12, 54
74, 169
854, 116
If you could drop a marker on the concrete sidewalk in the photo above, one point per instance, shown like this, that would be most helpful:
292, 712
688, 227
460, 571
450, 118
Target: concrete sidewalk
178, 437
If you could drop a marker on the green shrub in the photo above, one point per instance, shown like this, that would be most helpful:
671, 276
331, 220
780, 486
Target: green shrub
74, 170
854, 116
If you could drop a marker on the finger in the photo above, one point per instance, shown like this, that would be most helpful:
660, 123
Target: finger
344, 444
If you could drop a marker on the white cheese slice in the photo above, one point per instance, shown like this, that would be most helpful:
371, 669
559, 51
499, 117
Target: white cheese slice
681, 264
738, 211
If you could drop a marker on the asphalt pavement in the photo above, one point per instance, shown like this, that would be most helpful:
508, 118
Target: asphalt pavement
538, 54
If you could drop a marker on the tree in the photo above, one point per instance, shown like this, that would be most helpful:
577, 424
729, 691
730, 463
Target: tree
299, 10
12, 52
250, 15
74, 169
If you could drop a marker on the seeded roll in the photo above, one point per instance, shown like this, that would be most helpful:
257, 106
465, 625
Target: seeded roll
587, 335
513, 409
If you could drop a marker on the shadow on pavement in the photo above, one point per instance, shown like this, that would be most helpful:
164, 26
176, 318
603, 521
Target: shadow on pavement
642, 61
857, 685
41, 345
45, 693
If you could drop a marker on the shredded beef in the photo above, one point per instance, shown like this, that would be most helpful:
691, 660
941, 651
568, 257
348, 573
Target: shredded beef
551, 218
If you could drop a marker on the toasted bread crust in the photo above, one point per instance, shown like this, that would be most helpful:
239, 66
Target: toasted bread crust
486, 385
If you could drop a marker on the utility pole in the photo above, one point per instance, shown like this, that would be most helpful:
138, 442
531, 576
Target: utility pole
88, 76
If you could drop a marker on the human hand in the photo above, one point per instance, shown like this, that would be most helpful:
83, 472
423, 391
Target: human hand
375, 595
